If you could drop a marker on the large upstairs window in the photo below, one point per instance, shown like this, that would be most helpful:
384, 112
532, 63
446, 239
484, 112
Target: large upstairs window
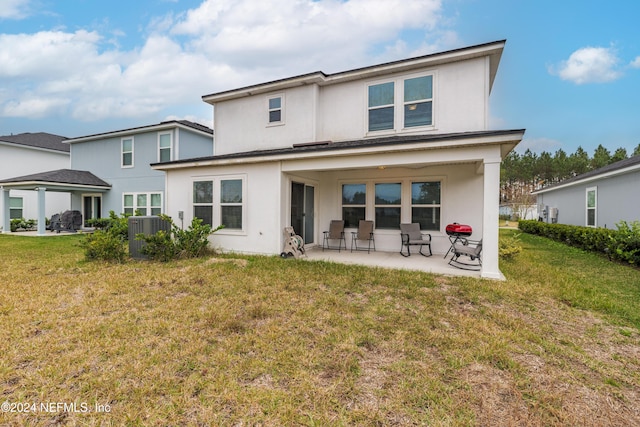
400, 104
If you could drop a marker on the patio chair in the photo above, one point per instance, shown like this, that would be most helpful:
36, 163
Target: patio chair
412, 236
336, 232
365, 232
468, 248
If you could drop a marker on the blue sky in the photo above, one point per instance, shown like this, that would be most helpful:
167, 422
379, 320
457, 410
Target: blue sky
570, 73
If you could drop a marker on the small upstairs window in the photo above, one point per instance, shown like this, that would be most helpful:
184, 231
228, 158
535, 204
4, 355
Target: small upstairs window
276, 107
418, 100
164, 147
127, 153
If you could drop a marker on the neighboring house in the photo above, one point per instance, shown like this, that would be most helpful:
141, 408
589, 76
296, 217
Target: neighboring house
406, 141
599, 198
110, 171
27, 153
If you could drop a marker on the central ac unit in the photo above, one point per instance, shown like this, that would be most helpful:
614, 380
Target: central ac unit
147, 225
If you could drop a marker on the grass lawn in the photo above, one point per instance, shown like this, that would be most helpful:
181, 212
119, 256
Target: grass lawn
272, 342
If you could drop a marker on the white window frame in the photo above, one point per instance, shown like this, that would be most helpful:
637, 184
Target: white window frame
13, 208
399, 104
281, 109
394, 206
425, 205
149, 207
216, 204
594, 208
405, 201
122, 152
170, 147
354, 205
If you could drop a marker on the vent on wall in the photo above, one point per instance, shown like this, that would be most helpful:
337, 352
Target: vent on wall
146, 225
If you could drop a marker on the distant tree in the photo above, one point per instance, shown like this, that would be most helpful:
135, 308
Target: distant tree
619, 154
579, 162
601, 157
561, 166
636, 152
543, 169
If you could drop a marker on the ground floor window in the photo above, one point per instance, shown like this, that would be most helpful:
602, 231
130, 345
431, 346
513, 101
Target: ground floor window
425, 204
16, 207
142, 203
220, 201
592, 204
392, 203
354, 203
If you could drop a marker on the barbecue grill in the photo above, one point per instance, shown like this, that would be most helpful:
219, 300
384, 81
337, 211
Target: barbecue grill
459, 230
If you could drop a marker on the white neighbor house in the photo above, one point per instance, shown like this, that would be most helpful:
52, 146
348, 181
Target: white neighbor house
24, 154
406, 141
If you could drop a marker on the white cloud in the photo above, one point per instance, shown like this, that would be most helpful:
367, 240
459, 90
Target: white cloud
636, 62
222, 44
14, 9
590, 65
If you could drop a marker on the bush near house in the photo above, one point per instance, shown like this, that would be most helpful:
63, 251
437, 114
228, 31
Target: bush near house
109, 241
621, 245
21, 224
178, 243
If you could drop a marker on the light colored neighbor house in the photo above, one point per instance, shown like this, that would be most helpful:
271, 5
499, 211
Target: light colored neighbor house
27, 153
599, 198
111, 171
406, 141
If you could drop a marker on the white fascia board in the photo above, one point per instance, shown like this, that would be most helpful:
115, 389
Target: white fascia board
589, 179
51, 186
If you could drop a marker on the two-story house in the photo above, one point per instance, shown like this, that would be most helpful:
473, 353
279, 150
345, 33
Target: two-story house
29, 153
122, 159
110, 171
406, 141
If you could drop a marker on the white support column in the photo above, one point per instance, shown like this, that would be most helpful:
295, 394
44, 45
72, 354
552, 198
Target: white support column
490, 267
6, 212
42, 225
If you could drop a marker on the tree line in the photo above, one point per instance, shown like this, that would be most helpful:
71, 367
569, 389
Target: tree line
523, 173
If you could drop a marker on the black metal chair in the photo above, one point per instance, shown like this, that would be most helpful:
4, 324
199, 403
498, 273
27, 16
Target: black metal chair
467, 248
412, 236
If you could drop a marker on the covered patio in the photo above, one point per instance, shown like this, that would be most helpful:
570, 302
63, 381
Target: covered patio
61, 180
435, 264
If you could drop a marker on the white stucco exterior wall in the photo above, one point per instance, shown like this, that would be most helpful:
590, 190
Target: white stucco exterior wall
21, 160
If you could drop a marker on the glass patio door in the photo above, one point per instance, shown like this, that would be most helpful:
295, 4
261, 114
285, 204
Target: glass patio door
302, 210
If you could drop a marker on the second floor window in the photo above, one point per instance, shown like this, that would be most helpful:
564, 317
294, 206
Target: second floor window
400, 104
381, 111
275, 110
164, 147
127, 153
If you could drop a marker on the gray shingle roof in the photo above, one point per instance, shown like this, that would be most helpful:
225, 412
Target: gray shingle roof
61, 176
162, 125
38, 140
342, 145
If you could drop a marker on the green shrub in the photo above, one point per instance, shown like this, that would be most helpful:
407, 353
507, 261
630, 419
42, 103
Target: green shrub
23, 224
104, 245
178, 243
109, 241
509, 247
622, 244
